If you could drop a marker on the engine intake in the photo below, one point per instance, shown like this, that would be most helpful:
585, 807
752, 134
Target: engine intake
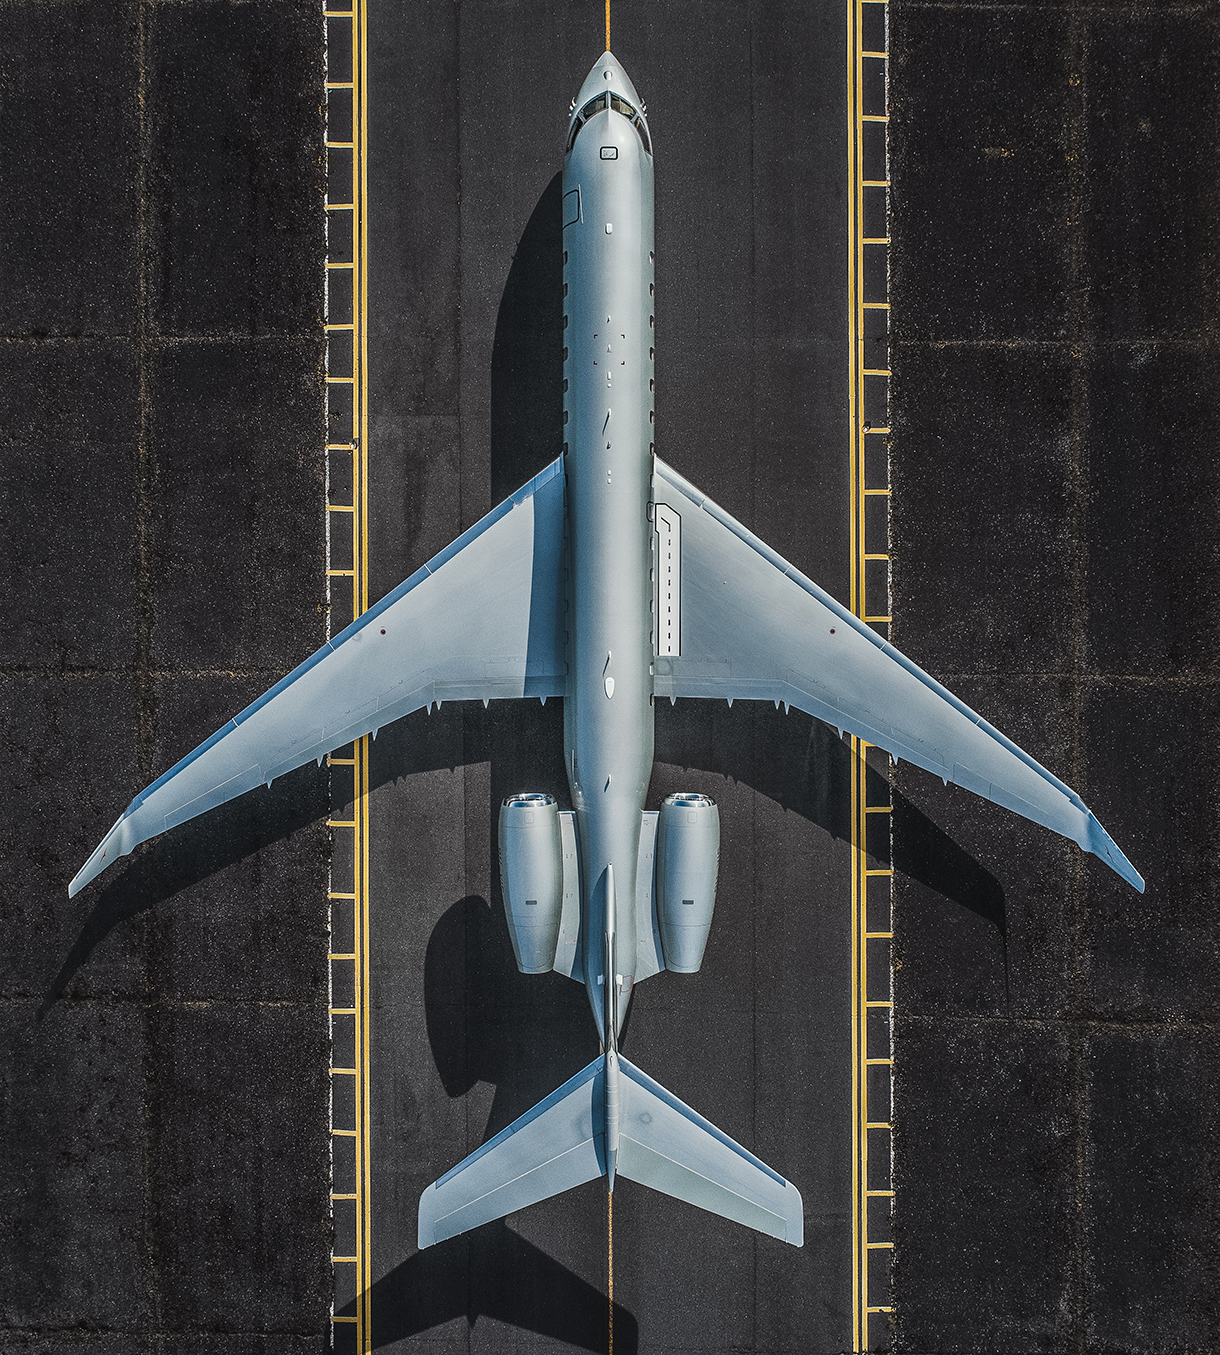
531, 876
688, 859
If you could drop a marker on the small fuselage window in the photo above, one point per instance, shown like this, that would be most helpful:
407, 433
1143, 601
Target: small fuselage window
599, 105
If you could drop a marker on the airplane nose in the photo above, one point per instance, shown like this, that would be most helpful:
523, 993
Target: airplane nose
607, 74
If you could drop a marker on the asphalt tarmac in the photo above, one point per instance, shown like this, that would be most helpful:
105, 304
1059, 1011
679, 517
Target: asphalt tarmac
165, 1044
1055, 541
166, 1158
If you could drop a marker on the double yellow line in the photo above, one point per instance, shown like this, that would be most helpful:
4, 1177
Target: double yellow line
870, 1180
353, 199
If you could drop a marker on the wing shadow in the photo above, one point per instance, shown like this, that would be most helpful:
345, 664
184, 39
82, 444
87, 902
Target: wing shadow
805, 767
526, 405
194, 852
794, 760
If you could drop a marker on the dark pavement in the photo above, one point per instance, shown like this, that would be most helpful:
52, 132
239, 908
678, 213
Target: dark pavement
1055, 530
165, 1166
165, 1159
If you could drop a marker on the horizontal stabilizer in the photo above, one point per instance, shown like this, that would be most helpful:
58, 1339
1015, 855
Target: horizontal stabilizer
561, 1143
666, 1145
544, 1152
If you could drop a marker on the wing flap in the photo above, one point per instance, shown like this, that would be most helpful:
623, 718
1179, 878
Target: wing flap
481, 620
754, 628
649, 957
567, 949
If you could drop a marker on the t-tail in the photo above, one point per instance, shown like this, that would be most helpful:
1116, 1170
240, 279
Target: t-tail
611, 1120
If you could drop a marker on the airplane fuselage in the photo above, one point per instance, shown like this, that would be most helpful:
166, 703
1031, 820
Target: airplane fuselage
608, 414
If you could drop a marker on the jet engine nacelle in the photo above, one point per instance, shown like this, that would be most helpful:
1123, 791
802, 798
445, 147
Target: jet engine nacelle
688, 858
531, 876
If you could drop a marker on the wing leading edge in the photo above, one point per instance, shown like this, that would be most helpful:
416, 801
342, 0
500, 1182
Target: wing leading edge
482, 619
753, 627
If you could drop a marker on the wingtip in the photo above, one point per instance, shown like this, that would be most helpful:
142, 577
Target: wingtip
796, 1219
118, 842
92, 868
1103, 846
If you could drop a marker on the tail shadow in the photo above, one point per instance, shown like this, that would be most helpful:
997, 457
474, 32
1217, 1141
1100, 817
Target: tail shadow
524, 1034
493, 1272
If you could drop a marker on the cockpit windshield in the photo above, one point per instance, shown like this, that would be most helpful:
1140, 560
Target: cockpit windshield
599, 105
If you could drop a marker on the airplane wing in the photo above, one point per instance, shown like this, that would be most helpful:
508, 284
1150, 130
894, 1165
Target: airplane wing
740, 622
482, 619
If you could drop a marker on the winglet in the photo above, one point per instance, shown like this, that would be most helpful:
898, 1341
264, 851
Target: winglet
118, 842
1103, 846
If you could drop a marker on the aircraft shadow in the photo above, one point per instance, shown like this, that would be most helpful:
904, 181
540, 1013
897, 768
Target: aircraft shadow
524, 1034
527, 352
794, 760
493, 1272
805, 767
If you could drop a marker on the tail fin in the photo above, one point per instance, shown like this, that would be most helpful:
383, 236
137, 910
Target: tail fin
662, 1143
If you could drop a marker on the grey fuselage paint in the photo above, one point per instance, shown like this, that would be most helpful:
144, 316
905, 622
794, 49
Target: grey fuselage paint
608, 335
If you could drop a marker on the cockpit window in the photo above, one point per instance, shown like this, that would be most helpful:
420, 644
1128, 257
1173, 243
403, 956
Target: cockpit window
596, 105
599, 104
